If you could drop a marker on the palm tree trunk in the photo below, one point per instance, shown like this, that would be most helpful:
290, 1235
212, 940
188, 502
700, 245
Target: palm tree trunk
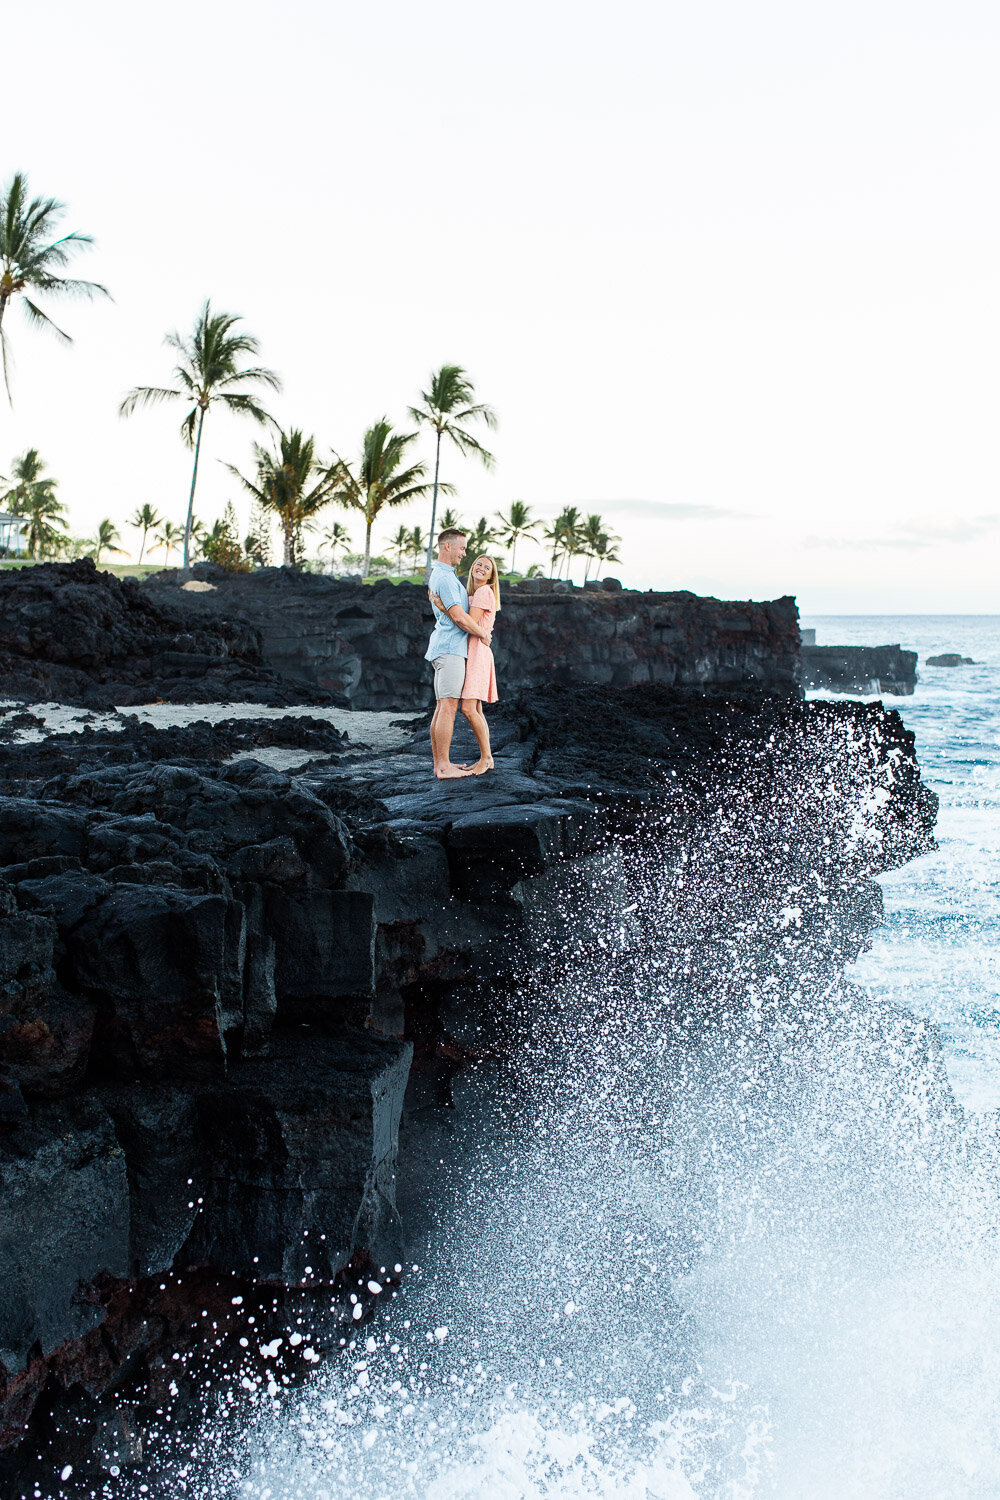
513, 552
368, 550
142, 546
434, 506
3, 348
194, 480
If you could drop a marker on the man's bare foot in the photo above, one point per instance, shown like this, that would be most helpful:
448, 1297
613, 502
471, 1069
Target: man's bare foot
482, 766
450, 772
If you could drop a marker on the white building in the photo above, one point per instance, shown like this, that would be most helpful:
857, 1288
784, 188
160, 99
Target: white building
13, 535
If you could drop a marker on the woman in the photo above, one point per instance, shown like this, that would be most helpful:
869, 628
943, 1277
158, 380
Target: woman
480, 673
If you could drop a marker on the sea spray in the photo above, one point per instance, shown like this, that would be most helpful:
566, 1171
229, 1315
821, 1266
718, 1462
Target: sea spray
694, 1234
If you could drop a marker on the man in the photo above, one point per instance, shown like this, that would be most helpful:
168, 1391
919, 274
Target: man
449, 647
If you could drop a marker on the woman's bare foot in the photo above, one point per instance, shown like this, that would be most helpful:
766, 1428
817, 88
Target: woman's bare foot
450, 772
482, 766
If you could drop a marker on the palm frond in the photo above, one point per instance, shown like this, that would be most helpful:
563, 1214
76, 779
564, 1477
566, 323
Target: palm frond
34, 314
69, 286
246, 406
146, 395
255, 373
468, 445
481, 413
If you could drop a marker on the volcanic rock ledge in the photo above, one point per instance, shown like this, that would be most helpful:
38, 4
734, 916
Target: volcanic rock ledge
213, 976
859, 669
367, 642
72, 634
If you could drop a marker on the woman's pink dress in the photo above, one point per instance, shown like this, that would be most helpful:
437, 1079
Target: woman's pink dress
480, 673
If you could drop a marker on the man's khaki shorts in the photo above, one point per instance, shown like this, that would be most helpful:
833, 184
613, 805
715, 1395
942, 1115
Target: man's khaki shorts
449, 676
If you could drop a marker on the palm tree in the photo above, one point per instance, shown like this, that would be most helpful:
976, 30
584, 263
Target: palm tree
257, 544
516, 523
381, 481
45, 516
282, 485
33, 499
106, 539
481, 537
447, 520
26, 472
168, 537
144, 520
564, 535
401, 546
418, 543
31, 259
605, 551
594, 537
207, 371
448, 408
198, 535
337, 538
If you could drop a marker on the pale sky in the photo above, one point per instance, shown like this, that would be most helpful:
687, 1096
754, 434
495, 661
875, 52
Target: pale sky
729, 273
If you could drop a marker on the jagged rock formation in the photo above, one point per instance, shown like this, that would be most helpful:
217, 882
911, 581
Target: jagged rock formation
367, 642
72, 634
860, 669
213, 976
950, 659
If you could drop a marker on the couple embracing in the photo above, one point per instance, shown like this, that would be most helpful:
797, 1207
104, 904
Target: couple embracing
459, 651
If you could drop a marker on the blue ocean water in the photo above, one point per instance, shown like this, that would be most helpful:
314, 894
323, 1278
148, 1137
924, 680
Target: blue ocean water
939, 952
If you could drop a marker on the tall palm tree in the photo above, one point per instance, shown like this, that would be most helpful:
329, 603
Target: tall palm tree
449, 406
168, 537
516, 523
208, 369
31, 260
106, 539
144, 520
446, 520
282, 485
381, 480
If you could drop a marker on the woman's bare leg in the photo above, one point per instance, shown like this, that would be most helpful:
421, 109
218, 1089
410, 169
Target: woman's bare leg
477, 720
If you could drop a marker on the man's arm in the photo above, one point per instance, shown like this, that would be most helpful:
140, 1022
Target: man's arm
465, 622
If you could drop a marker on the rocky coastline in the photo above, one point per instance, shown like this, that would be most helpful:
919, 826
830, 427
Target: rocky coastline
235, 1000
859, 669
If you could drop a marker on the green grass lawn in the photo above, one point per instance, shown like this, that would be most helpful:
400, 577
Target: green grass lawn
120, 570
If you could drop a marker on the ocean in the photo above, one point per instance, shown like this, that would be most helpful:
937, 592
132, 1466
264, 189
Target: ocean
938, 954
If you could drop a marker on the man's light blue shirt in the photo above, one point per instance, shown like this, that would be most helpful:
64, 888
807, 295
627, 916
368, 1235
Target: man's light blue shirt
448, 639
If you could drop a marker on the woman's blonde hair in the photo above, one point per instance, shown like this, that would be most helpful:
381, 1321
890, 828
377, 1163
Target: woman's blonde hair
494, 578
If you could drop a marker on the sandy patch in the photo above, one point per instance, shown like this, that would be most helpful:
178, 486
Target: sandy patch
364, 728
